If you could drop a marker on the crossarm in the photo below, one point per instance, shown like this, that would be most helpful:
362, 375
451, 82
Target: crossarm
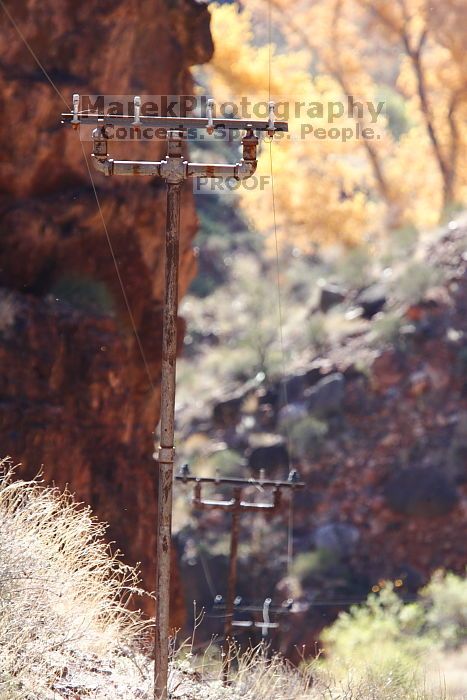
171, 123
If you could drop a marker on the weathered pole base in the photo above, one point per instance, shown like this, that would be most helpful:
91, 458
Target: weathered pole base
166, 450
231, 585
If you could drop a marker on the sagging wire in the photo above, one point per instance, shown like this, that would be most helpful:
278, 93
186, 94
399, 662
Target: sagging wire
279, 301
119, 276
32, 52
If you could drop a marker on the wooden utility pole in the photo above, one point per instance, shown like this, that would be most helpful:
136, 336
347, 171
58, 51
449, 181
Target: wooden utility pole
237, 507
174, 169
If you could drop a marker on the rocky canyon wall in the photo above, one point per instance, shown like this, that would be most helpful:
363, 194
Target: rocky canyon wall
75, 397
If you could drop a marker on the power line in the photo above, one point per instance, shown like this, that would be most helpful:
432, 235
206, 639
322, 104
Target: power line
32, 52
119, 276
279, 301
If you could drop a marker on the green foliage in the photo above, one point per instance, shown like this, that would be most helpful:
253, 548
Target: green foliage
317, 331
415, 281
395, 111
450, 211
354, 268
307, 436
445, 604
226, 462
386, 328
383, 618
223, 231
391, 637
84, 293
308, 564
404, 239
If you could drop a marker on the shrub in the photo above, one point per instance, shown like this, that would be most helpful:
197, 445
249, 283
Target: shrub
62, 594
355, 268
386, 328
391, 637
307, 436
413, 284
445, 603
317, 331
308, 564
225, 462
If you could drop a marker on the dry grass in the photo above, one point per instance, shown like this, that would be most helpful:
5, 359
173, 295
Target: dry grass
259, 677
66, 633
62, 594
449, 670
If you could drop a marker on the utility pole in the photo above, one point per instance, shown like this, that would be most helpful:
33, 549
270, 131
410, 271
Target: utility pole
174, 169
237, 506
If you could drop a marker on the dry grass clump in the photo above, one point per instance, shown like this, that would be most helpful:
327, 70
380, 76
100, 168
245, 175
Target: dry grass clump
257, 676
62, 595
66, 633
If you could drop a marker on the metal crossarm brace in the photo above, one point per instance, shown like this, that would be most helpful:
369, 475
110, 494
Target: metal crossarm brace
174, 169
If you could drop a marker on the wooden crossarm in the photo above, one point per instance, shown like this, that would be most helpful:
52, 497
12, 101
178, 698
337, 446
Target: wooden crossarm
172, 123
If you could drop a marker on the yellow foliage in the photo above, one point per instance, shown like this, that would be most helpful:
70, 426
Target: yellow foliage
334, 189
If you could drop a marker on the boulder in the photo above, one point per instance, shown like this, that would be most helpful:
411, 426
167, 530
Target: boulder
292, 388
339, 538
330, 295
227, 413
327, 396
421, 492
292, 413
270, 456
457, 455
371, 300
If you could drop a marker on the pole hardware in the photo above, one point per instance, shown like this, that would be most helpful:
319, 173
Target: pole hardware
137, 110
174, 169
271, 126
266, 608
209, 108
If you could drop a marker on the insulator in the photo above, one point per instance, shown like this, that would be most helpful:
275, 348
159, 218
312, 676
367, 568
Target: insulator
137, 110
209, 108
293, 477
75, 119
185, 470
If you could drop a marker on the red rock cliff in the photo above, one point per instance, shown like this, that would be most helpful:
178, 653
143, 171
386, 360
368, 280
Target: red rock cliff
75, 398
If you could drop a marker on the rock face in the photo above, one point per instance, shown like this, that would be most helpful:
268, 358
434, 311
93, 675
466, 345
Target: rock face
421, 491
379, 436
76, 398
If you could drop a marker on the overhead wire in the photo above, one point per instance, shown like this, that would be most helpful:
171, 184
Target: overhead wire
107, 235
118, 273
32, 52
207, 573
279, 301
